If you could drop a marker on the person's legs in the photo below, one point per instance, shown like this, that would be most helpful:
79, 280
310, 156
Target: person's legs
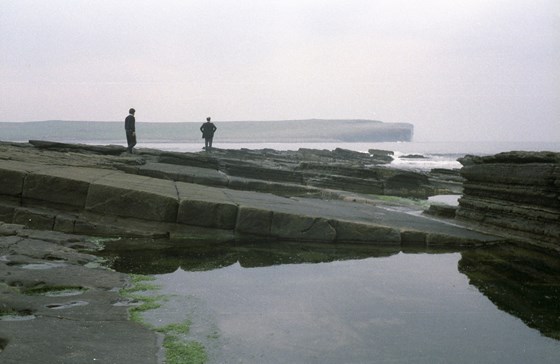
210, 143
130, 140
206, 144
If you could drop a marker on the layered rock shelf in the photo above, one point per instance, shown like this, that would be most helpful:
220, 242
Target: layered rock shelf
82, 190
516, 193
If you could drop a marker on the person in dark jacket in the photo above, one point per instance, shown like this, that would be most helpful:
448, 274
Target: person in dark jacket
208, 130
130, 128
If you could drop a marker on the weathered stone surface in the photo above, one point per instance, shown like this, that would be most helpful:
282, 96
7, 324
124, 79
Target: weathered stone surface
264, 173
442, 211
533, 174
301, 228
341, 182
516, 192
34, 218
347, 231
64, 223
205, 206
512, 157
166, 207
436, 239
410, 237
66, 186
408, 184
134, 196
338, 169
446, 181
65, 147
255, 221
281, 189
12, 176
199, 175
7, 212
84, 328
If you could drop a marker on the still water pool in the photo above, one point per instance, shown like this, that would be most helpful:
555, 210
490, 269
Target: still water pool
301, 303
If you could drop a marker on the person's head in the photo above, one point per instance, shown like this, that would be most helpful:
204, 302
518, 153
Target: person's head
208, 119
131, 111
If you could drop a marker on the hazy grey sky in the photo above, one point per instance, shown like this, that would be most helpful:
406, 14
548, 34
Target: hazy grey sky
460, 70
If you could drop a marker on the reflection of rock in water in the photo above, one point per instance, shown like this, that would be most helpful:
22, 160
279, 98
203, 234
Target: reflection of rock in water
145, 256
523, 283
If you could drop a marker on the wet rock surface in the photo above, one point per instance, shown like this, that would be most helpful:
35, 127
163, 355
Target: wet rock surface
516, 193
308, 195
58, 306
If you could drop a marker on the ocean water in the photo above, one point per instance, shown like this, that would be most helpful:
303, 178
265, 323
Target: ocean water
435, 154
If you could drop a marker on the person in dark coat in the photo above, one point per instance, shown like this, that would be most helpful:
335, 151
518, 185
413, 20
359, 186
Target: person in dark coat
208, 130
130, 128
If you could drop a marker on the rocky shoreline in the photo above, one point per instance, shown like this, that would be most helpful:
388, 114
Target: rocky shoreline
54, 197
298, 196
59, 306
515, 194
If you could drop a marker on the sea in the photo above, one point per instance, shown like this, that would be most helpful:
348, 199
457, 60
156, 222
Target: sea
415, 155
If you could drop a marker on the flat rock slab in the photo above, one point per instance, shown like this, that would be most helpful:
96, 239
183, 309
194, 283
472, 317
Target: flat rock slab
106, 192
63, 185
85, 326
124, 194
56, 340
191, 174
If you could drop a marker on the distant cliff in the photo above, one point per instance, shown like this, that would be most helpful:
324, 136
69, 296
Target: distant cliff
312, 130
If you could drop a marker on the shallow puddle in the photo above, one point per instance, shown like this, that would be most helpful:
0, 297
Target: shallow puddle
16, 317
65, 305
42, 266
65, 292
302, 303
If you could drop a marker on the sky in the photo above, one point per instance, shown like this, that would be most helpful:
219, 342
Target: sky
458, 70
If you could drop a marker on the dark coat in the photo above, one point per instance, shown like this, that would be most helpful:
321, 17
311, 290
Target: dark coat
129, 123
208, 130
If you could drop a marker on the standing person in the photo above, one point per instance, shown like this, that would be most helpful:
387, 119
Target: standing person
208, 130
130, 128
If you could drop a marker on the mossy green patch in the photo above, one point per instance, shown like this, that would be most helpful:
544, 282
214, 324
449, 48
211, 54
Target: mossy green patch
8, 311
176, 328
148, 302
139, 287
179, 352
136, 278
7, 288
138, 284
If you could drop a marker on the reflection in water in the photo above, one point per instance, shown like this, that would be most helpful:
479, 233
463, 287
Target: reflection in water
144, 256
521, 282
263, 303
